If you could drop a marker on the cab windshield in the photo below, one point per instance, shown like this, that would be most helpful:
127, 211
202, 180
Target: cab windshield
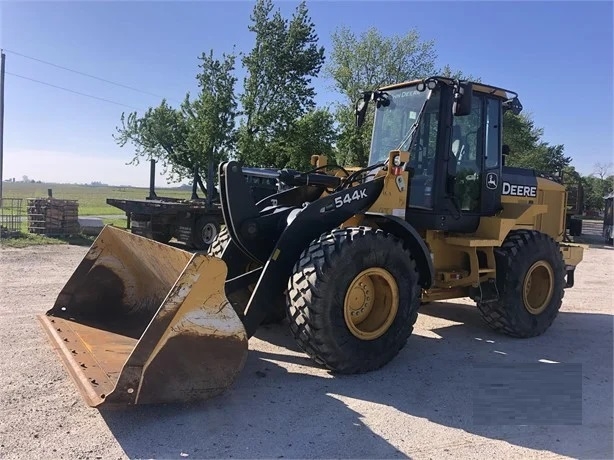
402, 126
393, 123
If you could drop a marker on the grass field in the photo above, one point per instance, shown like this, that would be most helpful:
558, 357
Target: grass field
92, 200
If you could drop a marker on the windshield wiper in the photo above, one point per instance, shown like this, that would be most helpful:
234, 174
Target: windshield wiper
413, 127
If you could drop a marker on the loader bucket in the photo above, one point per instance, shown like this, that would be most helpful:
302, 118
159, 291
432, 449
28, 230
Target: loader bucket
142, 322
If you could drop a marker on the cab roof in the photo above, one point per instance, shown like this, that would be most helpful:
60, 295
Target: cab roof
478, 87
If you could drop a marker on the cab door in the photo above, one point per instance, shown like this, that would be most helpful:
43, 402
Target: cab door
476, 149
467, 149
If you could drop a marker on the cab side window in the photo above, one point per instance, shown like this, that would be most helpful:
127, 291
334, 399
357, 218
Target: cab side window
493, 130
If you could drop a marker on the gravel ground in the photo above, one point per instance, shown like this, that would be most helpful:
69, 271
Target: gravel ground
422, 405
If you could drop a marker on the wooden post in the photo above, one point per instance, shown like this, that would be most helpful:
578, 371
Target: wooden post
152, 180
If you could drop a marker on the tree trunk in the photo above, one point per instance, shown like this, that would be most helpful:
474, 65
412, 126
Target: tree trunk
210, 181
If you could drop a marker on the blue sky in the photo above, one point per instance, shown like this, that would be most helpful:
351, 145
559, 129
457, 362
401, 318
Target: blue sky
557, 55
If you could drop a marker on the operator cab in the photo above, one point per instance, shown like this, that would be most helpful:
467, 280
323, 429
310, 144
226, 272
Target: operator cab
452, 130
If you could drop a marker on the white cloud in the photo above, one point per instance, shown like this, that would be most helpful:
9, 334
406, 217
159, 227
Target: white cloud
70, 167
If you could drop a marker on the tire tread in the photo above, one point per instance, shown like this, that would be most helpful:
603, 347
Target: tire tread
503, 317
306, 286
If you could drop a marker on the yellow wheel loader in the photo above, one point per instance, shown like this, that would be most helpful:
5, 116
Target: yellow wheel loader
347, 255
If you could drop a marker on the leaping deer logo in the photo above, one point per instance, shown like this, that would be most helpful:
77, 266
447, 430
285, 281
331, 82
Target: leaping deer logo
491, 181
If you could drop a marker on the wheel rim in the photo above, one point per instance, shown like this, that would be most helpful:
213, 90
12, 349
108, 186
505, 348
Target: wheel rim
209, 233
371, 303
538, 287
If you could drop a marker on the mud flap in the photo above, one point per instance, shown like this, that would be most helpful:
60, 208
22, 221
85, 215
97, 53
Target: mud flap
142, 322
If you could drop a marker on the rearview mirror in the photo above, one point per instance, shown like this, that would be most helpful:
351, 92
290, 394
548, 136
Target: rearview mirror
513, 105
463, 96
381, 99
361, 109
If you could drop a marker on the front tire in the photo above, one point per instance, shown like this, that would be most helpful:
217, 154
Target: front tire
530, 280
353, 299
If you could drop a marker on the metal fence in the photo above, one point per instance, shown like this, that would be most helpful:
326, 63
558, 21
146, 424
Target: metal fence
11, 216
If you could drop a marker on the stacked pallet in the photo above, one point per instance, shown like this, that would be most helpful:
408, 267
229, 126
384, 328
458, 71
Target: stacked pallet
50, 216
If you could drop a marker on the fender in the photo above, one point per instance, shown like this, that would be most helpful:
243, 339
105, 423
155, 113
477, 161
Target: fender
401, 228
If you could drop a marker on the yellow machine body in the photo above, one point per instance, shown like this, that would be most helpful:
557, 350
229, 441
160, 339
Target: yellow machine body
462, 261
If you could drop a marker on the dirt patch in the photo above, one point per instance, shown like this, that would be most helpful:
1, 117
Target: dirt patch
421, 405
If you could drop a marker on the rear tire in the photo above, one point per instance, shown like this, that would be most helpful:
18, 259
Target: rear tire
530, 280
324, 320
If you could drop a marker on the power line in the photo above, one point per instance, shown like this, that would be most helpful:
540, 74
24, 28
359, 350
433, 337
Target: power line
71, 90
85, 74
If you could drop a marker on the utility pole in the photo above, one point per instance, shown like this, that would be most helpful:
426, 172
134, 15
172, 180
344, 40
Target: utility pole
2, 59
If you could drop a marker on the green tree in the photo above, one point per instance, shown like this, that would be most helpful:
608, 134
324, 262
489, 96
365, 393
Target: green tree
520, 134
597, 185
603, 170
277, 87
365, 62
212, 122
197, 134
447, 71
528, 150
313, 133
160, 134
571, 176
594, 191
543, 157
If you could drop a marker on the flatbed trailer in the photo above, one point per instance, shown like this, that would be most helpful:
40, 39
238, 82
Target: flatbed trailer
195, 222
192, 222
